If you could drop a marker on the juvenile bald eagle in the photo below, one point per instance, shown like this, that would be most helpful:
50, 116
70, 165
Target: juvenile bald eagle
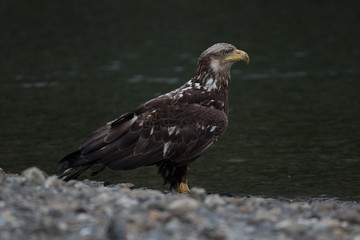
169, 131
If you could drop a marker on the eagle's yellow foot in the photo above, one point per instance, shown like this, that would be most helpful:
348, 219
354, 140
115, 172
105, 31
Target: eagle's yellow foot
183, 188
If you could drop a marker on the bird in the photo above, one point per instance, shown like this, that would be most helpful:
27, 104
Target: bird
169, 131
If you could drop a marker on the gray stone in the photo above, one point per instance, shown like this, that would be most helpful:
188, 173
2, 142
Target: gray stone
198, 193
264, 215
34, 176
34, 208
348, 215
127, 185
331, 223
184, 205
291, 226
2, 176
212, 201
116, 230
126, 202
53, 182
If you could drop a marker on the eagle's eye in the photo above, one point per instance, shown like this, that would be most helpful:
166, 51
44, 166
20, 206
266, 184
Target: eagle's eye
225, 53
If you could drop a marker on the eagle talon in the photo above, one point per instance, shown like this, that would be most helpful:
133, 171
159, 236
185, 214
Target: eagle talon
183, 188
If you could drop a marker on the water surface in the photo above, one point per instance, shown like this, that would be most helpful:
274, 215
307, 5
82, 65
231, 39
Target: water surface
69, 67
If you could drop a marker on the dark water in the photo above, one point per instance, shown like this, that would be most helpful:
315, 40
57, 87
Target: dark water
68, 67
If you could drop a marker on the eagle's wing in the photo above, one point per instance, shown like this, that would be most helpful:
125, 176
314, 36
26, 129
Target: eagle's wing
174, 132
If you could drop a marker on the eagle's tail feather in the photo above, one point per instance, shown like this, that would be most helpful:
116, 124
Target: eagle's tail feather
72, 166
73, 173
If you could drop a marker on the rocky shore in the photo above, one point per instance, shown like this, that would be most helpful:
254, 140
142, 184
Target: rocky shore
36, 206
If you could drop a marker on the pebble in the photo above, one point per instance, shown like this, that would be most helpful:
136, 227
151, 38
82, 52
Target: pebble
214, 200
184, 205
126, 202
331, 223
2, 176
53, 182
291, 226
34, 176
198, 193
36, 206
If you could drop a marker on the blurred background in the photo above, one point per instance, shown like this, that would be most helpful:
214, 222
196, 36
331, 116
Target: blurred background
68, 67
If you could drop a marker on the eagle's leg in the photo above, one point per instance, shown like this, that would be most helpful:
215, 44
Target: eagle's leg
175, 175
183, 187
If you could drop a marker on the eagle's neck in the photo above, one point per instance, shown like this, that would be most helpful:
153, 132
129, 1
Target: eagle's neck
212, 81
208, 88
214, 88
212, 75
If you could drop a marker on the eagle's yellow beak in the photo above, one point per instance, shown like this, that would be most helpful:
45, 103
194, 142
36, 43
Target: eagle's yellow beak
238, 55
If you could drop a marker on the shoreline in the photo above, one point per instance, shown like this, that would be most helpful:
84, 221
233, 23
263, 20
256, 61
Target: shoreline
36, 206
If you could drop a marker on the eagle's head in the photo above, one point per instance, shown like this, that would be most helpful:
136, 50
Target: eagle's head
219, 58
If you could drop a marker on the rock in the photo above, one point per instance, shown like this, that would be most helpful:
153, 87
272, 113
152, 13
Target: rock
116, 230
2, 176
212, 201
198, 193
158, 216
127, 185
264, 215
53, 182
324, 206
34, 208
174, 228
86, 232
256, 202
146, 194
330, 223
291, 226
348, 215
357, 237
184, 205
34, 176
126, 202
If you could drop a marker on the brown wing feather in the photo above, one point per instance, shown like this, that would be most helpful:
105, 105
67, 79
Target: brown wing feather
179, 133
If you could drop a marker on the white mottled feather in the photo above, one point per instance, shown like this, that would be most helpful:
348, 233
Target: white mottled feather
166, 148
215, 65
171, 130
210, 84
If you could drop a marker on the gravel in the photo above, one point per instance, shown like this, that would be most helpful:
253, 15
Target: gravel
34, 205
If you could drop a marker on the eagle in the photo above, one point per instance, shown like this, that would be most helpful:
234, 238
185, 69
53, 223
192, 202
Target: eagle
169, 131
